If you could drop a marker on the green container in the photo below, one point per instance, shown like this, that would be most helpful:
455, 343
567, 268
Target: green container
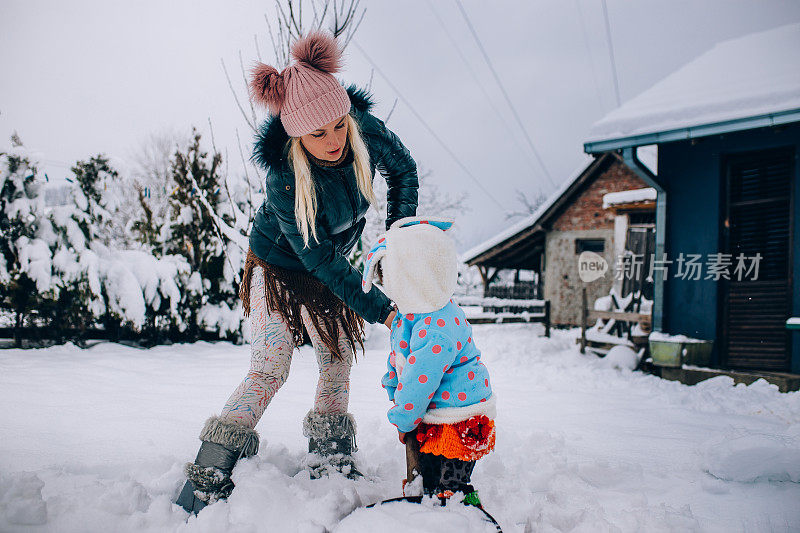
676, 353
697, 353
666, 353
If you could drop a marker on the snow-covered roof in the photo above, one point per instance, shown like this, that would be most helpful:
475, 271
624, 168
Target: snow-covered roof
747, 82
627, 197
529, 220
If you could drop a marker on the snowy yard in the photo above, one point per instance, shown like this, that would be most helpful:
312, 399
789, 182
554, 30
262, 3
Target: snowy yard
94, 440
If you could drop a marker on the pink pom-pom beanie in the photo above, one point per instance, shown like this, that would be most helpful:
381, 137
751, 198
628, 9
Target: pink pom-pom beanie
306, 95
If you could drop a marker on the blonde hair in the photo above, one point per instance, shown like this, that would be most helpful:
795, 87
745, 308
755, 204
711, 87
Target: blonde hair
305, 198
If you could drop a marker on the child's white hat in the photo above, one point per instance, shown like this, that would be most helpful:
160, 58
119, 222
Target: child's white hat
419, 264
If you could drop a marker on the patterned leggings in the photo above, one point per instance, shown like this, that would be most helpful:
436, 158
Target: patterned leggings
440, 474
271, 349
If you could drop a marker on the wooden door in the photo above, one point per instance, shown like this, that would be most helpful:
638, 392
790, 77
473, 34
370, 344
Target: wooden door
757, 204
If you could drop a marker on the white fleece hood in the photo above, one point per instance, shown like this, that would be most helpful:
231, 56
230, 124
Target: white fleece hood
418, 262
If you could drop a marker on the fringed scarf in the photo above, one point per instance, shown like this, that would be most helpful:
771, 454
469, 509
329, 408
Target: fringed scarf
287, 291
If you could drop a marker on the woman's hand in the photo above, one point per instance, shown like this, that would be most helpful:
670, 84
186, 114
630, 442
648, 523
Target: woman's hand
402, 437
390, 319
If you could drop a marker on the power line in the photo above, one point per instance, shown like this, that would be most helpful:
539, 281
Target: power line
505, 94
478, 82
611, 53
589, 53
427, 127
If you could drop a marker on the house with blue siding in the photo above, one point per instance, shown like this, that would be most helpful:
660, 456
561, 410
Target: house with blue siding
727, 128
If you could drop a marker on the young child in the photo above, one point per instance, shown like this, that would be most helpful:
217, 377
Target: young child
440, 388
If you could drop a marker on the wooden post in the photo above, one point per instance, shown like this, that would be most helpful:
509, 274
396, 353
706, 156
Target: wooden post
547, 318
412, 457
583, 321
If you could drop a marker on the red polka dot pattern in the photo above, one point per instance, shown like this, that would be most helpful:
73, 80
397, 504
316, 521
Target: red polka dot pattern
399, 386
410, 316
458, 322
440, 323
409, 406
423, 378
445, 395
458, 345
417, 421
462, 396
427, 320
430, 395
471, 375
432, 405
403, 344
436, 349
486, 382
464, 359
469, 339
422, 333
392, 374
412, 360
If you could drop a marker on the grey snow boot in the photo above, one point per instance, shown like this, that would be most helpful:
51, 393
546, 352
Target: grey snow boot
332, 441
209, 477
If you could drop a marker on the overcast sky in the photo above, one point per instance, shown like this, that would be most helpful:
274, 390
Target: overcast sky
79, 78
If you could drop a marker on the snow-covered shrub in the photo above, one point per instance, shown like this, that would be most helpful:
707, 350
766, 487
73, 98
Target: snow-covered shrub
197, 232
25, 273
64, 268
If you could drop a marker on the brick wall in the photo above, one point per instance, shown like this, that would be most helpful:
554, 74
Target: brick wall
586, 211
584, 218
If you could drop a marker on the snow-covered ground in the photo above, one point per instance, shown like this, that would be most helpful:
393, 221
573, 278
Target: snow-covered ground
94, 440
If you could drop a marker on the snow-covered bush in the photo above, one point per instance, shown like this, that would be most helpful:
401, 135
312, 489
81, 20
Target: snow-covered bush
195, 233
63, 268
25, 274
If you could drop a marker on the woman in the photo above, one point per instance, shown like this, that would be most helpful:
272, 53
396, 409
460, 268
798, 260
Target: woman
320, 156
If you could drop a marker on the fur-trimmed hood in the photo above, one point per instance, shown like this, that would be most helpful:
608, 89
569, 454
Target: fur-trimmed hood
419, 264
270, 142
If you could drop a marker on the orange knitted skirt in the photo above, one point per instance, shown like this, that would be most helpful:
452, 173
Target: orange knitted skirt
468, 440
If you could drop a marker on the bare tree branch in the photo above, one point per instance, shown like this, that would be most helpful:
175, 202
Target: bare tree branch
236, 97
371, 75
352, 30
529, 206
244, 81
386, 121
258, 51
271, 36
247, 177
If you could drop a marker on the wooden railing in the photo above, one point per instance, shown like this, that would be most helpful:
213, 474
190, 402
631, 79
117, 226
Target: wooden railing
505, 310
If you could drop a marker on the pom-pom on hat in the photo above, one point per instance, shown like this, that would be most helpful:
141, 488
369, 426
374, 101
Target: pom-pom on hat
305, 94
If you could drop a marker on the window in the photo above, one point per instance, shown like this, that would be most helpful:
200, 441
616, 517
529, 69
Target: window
597, 246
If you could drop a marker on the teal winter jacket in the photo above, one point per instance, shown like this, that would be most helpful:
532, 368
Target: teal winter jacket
275, 237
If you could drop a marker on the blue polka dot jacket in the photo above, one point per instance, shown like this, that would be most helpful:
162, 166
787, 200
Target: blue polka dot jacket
435, 374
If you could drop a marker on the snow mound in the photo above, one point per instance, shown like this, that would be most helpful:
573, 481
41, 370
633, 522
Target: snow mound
406, 517
21, 500
580, 446
621, 357
756, 458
